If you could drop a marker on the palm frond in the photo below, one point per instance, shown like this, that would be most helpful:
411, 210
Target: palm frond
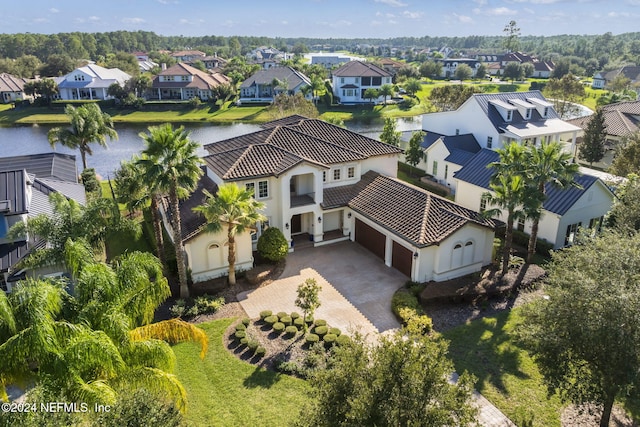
173, 331
151, 353
154, 380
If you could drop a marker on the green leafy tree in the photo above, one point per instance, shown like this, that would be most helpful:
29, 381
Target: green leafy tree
592, 147
613, 97
58, 65
412, 86
627, 157
430, 69
233, 210
91, 184
565, 92
272, 244
414, 153
513, 71
389, 134
371, 94
88, 125
619, 83
511, 40
393, 382
171, 165
508, 185
528, 69
450, 97
463, 72
481, 71
585, 336
308, 299
625, 214
385, 91
546, 165
142, 408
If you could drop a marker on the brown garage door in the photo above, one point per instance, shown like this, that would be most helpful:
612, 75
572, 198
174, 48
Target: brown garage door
370, 238
402, 258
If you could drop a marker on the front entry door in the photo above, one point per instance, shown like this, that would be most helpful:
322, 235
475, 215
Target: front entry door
296, 224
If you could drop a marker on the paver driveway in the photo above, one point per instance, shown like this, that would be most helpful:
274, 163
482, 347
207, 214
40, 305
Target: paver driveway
357, 287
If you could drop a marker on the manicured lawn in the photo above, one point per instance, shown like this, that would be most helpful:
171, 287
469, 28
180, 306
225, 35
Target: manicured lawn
507, 375
224, 391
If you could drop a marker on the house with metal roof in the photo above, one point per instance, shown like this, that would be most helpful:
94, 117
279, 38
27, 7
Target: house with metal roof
90, 82
351, 81
264, 85
11, 88
322, 184
621, 120
25, 185
564, 211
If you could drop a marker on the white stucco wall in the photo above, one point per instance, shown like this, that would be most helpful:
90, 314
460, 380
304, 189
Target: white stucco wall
386, 165
469, 118
207, 262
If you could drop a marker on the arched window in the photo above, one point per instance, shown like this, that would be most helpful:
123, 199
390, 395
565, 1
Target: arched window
456, 256
467, 257
213, 256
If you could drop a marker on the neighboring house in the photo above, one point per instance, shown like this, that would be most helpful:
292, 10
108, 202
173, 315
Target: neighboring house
214, 62
321, 183
188, 55
146, 66
390, 65
621, 119
260, 86
25, 185
329, 61
542, 69
90, 82
450, 65
11, 88
496, 119
268, 57
564, 211
141, 56
602, 79
184, 82
351, 81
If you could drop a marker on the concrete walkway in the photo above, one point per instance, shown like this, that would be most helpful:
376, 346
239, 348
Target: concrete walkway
356, 296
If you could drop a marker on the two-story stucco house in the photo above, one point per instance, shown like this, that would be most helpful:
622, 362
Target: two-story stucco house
184, 82
90, 82
351, 81
264, 85
322, 183
11, 88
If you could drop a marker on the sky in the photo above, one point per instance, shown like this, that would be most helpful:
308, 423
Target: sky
322, 18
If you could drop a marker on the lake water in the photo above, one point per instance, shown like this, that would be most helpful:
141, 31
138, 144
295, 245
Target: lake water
20, 140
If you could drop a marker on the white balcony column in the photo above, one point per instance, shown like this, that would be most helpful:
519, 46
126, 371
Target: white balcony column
318, 233
388, 248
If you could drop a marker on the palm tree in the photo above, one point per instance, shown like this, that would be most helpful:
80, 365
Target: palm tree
96, 343
234, 209
509, 187
385, 90
171, 166
88, 124
546, 164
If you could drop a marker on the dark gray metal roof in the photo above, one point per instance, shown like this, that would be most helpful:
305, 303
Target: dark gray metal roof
44, 165
559, 201
11, 253
13, 187
459, 157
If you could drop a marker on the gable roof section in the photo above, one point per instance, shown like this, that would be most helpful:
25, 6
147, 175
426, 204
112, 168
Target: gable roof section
57, 166
193, 222
461, 148
360, 69
620, 118
414, 214
293, 77
559, 201
201, 79
10, 83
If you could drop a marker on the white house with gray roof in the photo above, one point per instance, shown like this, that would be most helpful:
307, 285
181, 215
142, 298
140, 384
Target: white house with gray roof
90, 82
351, 81
322, 184
266, 84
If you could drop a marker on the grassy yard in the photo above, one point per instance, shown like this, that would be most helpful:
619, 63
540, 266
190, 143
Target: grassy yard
507, 375
224, 391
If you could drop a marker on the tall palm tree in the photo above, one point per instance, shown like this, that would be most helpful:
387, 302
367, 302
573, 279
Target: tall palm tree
385, 91
234, 209
546, 164
96, 343
509, 188
88, 124
172, 166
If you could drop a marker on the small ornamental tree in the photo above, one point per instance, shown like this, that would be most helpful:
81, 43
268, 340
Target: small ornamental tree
308, 298
272, 244
592, 148
389, 134
414, 154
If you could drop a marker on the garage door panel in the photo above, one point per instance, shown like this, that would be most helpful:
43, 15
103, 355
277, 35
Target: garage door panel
370, 238
402, 259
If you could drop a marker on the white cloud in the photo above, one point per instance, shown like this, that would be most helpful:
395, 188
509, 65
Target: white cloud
618, 14
500, 11
284, 22
40, 20
529, 11
133, 20
94, 18
463, 18
412, 15
394, 3
480, 2
54, 10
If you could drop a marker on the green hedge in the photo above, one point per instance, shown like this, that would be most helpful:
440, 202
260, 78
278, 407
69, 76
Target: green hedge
299, 323
291, 330
320, 322
270, 320
264, 314
522, 239
286, 320
343, 340
335, 331
329, 339
278, 327
312, 338
260, 351
281, 314
246, 321
240, 334
295, 315
240, 327
321, 330
404, 299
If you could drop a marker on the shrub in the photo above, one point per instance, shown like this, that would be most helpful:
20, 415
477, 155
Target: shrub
320, 322
308, 319
271, 319
206, 304
335, 331
90, 182
246, 321
330, 339
287, 367
286, 320
295, 315
299, 323
278, 327
343, 340
312, 338
281, 314
252, 345
240, 327
291, 330
321, 330
264, 314
415, 288
195, 102
420, 325
401, 299
179, 308
260, 351
272, 244
244, 341
240, 334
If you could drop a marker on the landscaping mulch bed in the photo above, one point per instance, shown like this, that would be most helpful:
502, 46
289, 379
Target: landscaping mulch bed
589, 415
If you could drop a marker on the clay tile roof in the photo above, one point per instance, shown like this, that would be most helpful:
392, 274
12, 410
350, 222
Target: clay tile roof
620, 118
192, 222
335, 197
414, 214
